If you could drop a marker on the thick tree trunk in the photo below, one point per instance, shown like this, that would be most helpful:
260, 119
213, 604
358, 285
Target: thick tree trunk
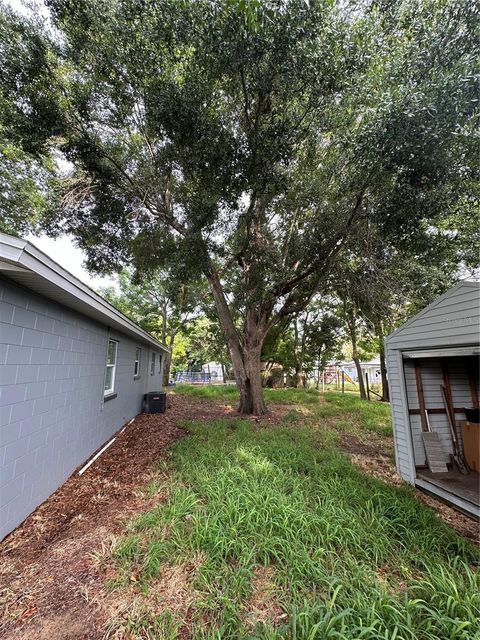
383, 364
251, 391
246, 357
299, 379
251, 394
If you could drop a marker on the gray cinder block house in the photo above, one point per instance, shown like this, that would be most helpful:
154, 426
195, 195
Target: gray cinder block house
73, 370
438, 348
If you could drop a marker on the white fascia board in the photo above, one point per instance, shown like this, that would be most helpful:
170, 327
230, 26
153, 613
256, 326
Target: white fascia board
27, 256
473, 350
11, 266
11, 248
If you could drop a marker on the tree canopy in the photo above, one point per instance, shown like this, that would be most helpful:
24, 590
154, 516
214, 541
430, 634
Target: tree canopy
259, 143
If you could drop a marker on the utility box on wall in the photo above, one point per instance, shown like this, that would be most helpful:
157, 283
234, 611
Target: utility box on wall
155, 402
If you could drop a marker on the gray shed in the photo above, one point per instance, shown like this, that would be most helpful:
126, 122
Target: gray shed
439, 347
73, 370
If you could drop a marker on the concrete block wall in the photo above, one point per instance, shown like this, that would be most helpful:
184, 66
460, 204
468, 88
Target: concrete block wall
52, 410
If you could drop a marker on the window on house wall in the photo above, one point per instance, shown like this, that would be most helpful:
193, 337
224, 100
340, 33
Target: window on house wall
159, 363
152, 365
136, 366
110, 367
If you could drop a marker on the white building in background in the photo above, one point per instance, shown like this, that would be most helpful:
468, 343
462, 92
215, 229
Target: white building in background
372, 368
334, 368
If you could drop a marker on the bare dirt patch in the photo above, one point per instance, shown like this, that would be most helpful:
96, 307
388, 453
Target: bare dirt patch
172, 591
262, 605
374, 457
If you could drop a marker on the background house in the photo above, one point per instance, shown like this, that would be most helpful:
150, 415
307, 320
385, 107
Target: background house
333, 370
371, 367
73, 371
438, 347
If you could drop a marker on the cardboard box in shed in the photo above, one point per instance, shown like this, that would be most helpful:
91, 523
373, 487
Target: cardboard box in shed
471, 444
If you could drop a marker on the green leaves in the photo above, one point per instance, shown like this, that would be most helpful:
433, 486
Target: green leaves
266, 142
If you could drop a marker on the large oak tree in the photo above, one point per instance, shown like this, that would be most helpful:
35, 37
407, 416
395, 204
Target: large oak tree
249, 141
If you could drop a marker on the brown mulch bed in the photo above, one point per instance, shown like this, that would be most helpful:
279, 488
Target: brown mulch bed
50, 583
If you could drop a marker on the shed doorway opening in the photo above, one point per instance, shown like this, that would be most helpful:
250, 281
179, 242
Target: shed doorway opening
443, 399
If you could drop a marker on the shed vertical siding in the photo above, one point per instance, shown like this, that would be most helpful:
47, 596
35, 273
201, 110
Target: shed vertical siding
453, 320
52, 411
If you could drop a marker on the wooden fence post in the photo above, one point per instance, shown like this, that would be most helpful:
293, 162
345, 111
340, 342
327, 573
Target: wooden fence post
367, 385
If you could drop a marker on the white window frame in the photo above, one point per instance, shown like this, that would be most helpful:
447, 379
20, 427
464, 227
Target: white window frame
152, 364
136, 364
111, 390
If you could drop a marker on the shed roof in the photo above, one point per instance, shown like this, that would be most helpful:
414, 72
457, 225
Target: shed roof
453, 319
22, 262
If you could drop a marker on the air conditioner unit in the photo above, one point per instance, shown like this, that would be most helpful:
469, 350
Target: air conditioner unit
155, 402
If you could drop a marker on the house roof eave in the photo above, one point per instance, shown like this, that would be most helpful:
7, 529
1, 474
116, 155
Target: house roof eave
23, 262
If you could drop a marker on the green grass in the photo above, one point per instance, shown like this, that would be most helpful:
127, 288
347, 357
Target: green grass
229, 393
349, 556
363, 416
221, 392
350, 413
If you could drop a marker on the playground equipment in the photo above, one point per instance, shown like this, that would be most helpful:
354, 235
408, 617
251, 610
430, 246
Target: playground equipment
333, 374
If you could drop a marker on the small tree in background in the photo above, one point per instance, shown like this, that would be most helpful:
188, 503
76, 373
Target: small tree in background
161, 306
201, 342
306, 343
